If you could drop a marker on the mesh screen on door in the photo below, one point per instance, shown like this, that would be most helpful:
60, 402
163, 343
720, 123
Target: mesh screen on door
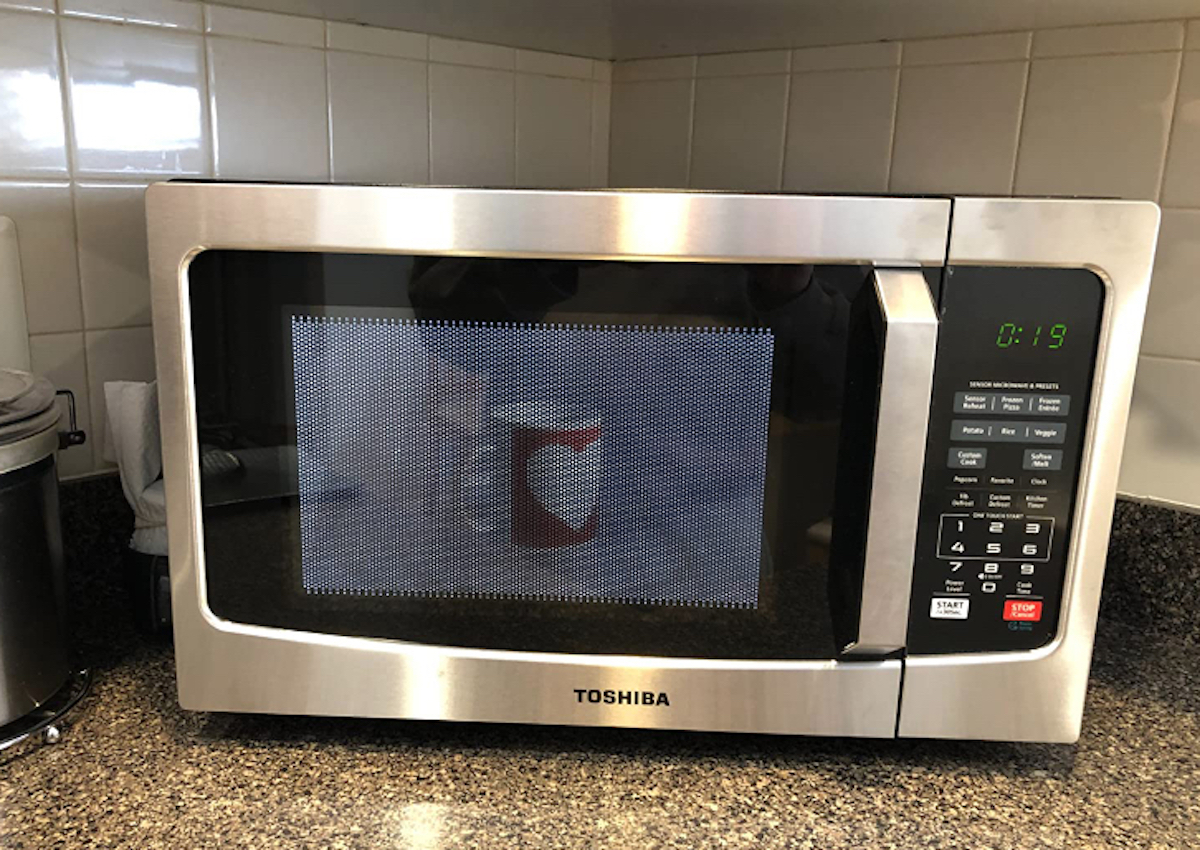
571, 462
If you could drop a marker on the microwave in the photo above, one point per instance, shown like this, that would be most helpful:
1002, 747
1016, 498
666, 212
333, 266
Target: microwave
767, 463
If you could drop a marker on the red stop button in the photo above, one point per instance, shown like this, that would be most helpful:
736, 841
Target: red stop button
1027, 610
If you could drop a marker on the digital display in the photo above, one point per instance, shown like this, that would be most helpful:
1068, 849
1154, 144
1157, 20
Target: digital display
1012, 334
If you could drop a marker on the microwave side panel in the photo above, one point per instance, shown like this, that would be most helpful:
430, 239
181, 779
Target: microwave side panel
229, 666
1038, 695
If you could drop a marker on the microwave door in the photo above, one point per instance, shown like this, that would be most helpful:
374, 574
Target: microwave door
478, 486
668, 460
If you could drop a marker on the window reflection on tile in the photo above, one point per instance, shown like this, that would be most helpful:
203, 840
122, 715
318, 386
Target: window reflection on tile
28, 5
32, 141
137, 99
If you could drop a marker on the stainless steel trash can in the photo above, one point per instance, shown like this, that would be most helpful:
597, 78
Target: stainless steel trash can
34, 658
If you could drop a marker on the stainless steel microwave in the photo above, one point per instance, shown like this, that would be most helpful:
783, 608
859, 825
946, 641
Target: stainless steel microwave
760, 463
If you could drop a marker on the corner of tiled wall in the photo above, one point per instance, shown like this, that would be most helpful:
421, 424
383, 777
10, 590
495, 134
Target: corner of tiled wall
1103, 111
102, 97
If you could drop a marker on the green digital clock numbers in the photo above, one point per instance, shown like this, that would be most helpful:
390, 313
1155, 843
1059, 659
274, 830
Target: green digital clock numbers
1011, 335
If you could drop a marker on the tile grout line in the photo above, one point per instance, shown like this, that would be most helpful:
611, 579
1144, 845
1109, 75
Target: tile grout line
787, 112
1012, 179
428, 117
210, 83
515, 134
65, 101
891, 169
1170, 358
951, 37
899, 69
592, 133
1166, 154
209, 104
329, 175
687, 172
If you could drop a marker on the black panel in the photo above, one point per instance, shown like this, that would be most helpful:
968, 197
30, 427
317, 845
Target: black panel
242, 307
1013, 379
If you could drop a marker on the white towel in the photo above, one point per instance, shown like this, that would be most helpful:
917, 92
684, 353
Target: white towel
133, 443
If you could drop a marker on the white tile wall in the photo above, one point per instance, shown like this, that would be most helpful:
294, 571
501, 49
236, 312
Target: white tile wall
1093, 111
1119, 38
651, 132
1171, 317
973, 48
840, 57
28, 5
150, 89
1181, 183
849, 149
264, 26
373, 98
956, 128
113, 274
136, 99
454, 52
31, 113
269, 110
46, 241
177, 14
472, 125
554, 128
1097, 125
363, 39
737, 140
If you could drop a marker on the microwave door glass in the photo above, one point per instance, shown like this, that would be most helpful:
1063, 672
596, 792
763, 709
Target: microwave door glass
546, 455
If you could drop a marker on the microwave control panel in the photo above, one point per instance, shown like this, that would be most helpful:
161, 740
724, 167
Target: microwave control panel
1012, 383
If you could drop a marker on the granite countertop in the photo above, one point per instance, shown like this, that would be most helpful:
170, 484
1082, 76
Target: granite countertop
135, 770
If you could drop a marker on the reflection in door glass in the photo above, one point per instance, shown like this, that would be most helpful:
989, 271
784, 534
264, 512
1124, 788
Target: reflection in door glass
569, 462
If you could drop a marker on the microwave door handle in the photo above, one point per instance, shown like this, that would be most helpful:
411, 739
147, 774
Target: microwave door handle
910, 329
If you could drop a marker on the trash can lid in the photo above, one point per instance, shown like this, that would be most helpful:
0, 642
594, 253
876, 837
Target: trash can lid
26, 405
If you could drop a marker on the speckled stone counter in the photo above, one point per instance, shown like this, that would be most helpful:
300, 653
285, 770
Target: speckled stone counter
134, 770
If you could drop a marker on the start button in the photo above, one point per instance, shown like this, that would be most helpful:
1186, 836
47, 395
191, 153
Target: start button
1027, 610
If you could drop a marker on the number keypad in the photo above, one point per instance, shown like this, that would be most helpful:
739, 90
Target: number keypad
966, 537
